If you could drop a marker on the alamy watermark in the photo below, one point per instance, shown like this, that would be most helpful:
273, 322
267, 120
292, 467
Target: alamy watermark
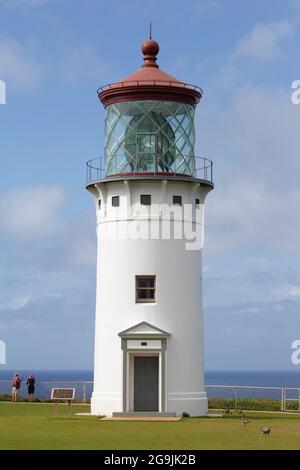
295, 97
2, 353
155, 222
2, 92
295, 357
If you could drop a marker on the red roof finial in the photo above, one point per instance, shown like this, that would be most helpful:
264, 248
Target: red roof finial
150, 49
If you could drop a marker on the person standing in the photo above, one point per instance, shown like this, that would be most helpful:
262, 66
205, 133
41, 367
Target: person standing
31, 387
16, 385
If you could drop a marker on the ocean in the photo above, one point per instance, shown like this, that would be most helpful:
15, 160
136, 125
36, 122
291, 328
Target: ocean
46, 379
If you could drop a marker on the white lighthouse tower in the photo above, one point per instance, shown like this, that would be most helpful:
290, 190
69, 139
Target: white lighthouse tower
149, 190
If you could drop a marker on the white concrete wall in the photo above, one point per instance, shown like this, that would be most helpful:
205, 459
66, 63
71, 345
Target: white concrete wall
178, 309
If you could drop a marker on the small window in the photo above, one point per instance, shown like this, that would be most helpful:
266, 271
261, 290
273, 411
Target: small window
99, 204
115, 201
146, 199
177, 201
145, 287
197, 202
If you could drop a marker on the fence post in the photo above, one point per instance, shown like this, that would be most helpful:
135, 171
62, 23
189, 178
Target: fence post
282, 399
84, 392
235, 399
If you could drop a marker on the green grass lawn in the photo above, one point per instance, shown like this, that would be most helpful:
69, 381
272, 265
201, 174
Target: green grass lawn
34, 426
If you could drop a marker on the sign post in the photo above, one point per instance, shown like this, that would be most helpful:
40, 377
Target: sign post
62, 394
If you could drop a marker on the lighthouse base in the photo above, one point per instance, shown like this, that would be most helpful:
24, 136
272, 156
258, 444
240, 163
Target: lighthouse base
193, 405
105, 406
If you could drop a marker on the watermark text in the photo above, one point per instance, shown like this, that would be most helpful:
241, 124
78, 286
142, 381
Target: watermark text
295, 97
295, 357
2, 352
2, 92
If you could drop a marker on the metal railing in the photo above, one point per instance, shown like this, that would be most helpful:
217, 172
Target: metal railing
83, 388
286, 398
236, 393
202, 169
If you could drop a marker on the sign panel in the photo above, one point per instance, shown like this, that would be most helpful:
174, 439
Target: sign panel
62, 393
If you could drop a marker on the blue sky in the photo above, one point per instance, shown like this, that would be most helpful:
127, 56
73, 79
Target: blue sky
54, 54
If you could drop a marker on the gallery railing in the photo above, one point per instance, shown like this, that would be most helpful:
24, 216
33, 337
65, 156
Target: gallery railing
192, 167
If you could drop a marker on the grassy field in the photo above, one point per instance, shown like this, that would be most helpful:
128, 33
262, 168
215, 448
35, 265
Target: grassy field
34, 426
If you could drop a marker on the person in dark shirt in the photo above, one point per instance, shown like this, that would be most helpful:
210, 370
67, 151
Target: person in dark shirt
31, 387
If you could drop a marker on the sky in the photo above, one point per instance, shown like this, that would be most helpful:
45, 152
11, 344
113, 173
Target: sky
54, 54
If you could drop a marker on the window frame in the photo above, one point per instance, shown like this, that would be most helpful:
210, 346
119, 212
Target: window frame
115, 198
179, 198
140, 300
143, 203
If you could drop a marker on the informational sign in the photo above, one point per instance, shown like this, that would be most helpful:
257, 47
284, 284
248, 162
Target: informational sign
65, 394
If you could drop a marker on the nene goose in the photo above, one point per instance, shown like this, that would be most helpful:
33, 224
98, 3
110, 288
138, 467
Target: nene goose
245, 421
265, 430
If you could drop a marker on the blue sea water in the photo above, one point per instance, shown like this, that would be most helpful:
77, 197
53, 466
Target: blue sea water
288, 379
75, 378
254, 378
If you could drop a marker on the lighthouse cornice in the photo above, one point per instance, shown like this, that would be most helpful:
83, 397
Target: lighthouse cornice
150, 90
159, 178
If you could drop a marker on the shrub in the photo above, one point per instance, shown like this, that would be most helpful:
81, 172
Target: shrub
259, 404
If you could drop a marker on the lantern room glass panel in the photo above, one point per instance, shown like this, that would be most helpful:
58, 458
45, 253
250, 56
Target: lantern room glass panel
149, 137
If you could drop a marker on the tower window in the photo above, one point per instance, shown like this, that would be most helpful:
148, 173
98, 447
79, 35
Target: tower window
177, 200
146, 199
115, 201
99, 204
197, 202
145, 289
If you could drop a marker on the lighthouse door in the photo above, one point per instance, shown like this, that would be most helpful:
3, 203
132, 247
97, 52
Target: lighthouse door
146, 383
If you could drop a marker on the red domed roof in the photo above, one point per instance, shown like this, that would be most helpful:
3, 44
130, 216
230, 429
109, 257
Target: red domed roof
150, 83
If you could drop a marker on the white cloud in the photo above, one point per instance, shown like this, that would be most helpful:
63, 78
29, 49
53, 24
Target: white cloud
208, 6
286, 291
83, 64
31, 212
18, 66
16, 303
256, 198
264, 42
248, 214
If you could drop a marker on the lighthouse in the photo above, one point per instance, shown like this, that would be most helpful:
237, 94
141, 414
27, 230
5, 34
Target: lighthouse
149, 190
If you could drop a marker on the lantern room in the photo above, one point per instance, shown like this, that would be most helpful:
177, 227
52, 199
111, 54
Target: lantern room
149, 125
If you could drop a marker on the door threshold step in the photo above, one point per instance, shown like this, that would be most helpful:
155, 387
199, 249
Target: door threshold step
143, 414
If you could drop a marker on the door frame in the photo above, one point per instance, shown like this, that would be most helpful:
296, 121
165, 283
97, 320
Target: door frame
138, 341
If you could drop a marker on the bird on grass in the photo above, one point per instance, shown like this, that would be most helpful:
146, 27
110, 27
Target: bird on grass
245, 421
265, 430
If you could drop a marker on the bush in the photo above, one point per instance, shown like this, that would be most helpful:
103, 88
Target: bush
258, 404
